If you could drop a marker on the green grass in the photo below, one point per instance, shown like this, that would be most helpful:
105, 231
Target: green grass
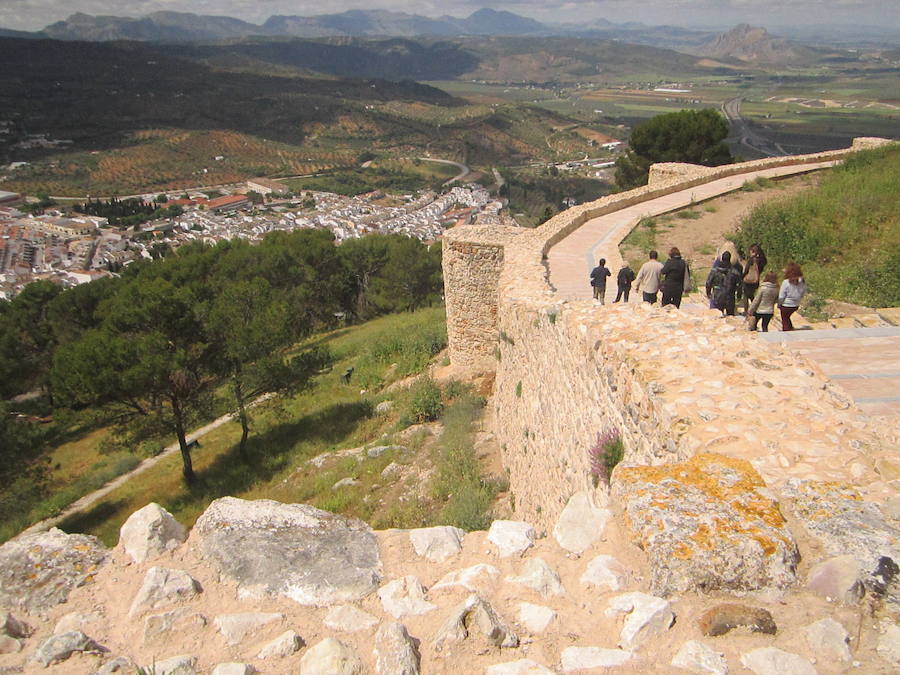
287, 432
467, 497
643, 236
845, 233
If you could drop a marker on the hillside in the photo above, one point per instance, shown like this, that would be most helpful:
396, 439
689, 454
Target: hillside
755, 45
91, 93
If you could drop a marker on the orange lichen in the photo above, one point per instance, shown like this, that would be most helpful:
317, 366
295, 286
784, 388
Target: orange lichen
683, 552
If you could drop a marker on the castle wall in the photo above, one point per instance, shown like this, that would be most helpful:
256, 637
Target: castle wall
672, 383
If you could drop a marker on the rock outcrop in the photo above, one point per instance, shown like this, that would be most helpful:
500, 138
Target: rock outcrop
310, 556
39, 571
707, 524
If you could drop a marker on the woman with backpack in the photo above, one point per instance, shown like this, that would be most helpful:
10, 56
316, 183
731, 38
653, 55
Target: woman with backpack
792, 290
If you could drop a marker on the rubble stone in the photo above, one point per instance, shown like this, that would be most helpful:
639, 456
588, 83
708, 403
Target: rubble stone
395, 651
437, 543
475, 612
707, 524
176, 665
580, 524
520, 667
330, 657
698, 658
284, 645
235, 627
646, 616
828, 639
722, 618
233, 669
511, 537
774, 661
537, 575
469, 578
837, 579
404, 597
58, 648
150, 532
606, 573
163, 587
535, 618
38, 571
294, 550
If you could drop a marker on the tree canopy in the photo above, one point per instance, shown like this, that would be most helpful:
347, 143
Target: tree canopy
150, 346
692, 136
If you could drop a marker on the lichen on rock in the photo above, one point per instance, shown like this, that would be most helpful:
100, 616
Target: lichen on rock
707, 524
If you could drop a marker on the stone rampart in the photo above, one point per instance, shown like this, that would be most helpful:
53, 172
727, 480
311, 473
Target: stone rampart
672, 383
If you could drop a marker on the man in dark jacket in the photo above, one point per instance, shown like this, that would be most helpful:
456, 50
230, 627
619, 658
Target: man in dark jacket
673, 272
623, 281
598, 280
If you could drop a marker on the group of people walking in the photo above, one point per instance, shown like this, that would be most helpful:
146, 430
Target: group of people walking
728, 282
672, 278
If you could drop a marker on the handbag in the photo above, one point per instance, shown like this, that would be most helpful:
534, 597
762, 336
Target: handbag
688, 282
752, 276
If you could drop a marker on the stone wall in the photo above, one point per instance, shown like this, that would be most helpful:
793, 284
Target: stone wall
472, 265
670, 382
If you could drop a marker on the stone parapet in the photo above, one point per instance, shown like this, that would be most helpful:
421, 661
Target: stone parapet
672, 383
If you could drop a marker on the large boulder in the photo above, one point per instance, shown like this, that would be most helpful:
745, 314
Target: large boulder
845, 524
150, 532
313, 557
707, 524
38, 571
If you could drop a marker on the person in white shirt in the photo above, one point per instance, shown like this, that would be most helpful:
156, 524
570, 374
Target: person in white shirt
647, 280
792, 290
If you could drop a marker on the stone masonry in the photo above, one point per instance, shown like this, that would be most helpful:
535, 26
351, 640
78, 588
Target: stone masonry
671, 383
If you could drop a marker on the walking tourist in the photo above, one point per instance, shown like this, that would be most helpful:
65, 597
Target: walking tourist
763, 306
792, 290
648, 276
623, 281
753, 273
673, 273
598, 280
723, 282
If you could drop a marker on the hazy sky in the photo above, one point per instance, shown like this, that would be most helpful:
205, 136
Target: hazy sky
35, 14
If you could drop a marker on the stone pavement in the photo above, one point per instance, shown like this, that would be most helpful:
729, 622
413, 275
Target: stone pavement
865, 362
572, 259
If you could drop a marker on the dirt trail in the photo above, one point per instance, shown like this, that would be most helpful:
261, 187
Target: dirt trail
92, 498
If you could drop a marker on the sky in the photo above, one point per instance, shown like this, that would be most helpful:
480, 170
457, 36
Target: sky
35, 14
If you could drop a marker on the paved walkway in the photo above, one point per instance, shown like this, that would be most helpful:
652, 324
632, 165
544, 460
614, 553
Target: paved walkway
572, 259
865, 362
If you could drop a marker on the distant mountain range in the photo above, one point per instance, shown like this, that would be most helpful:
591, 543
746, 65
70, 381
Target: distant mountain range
177, 26
743, 44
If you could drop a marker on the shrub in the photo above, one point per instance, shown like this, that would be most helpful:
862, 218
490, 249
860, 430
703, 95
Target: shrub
426, 403
604, 455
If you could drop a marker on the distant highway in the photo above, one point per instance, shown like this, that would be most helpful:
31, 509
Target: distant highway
463, 169
745, 135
